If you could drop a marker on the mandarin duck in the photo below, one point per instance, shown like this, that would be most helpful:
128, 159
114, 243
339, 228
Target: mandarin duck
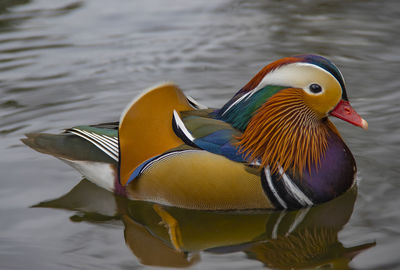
271, 146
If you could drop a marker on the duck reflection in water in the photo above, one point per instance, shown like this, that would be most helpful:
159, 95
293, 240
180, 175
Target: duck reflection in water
169, 236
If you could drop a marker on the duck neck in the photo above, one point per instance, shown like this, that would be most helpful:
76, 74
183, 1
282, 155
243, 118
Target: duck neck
284, 132
240, 109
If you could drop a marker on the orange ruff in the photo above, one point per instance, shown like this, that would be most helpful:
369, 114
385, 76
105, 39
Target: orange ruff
286, 132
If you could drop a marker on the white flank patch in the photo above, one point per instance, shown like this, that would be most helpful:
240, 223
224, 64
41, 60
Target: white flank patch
99, 173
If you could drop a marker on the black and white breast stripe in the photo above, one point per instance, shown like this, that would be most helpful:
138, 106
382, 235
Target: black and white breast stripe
283, 191
107, 144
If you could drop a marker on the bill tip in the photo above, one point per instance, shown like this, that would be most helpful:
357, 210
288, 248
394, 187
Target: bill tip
364, 124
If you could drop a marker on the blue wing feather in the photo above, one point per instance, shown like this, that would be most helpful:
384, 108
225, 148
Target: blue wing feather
213, 135
220, 142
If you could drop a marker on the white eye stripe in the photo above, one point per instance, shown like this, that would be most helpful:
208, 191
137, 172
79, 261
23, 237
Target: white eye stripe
324, 70
294, 75
291, 75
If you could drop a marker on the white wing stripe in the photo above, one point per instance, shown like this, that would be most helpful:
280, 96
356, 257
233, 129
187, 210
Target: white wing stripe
95, 142
197, 105
236, 102
103, 141
182, 127
99, 143
113, 139
99, 140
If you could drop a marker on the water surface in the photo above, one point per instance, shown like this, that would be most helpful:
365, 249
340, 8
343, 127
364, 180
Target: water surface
65, 63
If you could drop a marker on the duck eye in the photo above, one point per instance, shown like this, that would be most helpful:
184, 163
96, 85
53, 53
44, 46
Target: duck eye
315, 88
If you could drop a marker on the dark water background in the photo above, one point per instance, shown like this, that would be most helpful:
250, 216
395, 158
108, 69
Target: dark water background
64, 63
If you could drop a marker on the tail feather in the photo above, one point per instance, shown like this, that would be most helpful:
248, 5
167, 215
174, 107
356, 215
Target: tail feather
66, 146
82, 155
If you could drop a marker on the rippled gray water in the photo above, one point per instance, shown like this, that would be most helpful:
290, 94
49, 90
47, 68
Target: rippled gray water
64, 63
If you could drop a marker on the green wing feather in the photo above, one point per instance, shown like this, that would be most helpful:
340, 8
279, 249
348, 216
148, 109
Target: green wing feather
211, 134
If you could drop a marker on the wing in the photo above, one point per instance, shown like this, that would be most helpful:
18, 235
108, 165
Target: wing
199, 128
145, 128
103, 136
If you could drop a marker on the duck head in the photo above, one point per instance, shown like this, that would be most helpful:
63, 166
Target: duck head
283, 111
